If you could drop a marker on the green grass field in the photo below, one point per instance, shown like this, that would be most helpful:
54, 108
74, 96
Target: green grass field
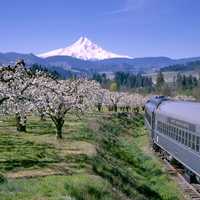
102, 157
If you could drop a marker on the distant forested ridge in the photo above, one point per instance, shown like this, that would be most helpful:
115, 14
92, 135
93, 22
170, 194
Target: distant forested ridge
190, 66
67, 63
129, 80
125, 81
53, 71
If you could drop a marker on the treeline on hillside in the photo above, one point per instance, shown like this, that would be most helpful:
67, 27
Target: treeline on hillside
186, 82
102, 79
122, 81
36, 67
190, 66
125, 81
187, 85
57, 73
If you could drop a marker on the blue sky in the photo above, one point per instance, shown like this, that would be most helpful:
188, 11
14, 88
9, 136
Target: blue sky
136, 28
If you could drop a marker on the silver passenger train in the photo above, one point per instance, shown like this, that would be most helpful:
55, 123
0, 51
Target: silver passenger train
174, 127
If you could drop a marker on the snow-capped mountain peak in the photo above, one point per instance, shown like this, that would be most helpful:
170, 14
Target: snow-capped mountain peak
84, 49
83, 41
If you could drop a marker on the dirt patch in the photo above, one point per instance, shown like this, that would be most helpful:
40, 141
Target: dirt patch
33, 173
93, 125
55, 169
65, 146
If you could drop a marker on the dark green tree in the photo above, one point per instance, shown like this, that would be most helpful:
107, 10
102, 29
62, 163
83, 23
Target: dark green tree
160, 81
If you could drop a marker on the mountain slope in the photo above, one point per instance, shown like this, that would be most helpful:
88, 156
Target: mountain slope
63, 64
11, 57
111, 65
83, 49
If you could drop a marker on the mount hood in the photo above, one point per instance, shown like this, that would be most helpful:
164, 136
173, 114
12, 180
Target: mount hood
83, 49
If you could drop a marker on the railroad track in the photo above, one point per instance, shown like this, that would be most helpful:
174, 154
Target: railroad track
197, 187
191, 191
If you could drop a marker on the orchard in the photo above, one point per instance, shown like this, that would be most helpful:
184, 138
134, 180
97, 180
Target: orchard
24, 92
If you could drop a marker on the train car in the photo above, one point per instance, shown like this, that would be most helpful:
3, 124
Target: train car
174, 128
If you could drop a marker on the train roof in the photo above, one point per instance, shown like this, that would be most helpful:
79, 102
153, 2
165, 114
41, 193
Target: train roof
183, 110
154, 102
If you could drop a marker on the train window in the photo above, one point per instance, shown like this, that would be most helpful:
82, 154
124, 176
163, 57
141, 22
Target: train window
189, 140
183, 137
179, 136
197, 143
158, 125
167, 129
173, 133
186, 139
193, 142
161, 127
176, 131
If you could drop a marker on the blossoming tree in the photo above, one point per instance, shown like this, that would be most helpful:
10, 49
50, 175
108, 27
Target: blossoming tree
57, 98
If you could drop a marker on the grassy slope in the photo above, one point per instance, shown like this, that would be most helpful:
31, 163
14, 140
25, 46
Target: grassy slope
101, 157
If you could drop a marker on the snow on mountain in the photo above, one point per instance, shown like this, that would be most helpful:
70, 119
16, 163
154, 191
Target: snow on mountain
83, 49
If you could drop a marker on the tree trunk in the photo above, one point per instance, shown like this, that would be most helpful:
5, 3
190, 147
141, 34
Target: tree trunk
42, 117
115, 107
110, 108
127, 108
59, 122
136, 110
59, 132
99, 106
20, 123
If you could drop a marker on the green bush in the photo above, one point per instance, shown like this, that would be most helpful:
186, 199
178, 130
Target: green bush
125, 166
2, 179
88, 189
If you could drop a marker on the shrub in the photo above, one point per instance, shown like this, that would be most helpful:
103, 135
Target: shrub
2, 179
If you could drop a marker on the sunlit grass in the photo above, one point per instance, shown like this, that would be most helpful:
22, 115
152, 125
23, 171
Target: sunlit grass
57, 188
102, 156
